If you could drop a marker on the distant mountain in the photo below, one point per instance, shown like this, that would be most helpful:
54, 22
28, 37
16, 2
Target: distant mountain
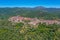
47, 9
40, 7
38, 11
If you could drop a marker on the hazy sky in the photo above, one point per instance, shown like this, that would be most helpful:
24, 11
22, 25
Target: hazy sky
29, 3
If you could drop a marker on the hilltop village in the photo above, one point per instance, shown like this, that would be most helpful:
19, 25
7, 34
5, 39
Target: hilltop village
32, 21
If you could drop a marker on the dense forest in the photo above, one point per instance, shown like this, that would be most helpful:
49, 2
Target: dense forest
21, 31
39, 12
28, 32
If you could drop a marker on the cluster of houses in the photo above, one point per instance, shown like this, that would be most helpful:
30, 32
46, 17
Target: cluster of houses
32, 21
19, 19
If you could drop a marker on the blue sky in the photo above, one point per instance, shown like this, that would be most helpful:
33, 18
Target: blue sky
29, 3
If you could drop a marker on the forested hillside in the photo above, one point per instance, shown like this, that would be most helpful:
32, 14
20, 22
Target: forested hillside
28, 32
21, 31
39, 12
